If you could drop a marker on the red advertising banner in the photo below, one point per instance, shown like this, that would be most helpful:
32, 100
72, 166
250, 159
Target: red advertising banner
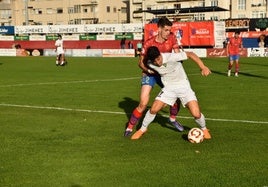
181, 30
201, 33
150, 30
187, 33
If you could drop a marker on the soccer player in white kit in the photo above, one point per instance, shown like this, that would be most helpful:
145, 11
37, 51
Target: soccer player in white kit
60, 51
176, 85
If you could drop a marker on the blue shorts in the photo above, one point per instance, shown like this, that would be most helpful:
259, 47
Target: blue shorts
233, 57
151, 80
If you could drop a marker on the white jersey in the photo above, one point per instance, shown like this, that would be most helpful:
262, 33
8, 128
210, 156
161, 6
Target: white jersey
172, 72
174, 79
59, 45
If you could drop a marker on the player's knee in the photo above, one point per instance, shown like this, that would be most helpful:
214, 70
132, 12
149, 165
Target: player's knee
196, 114
153, 111
142, 107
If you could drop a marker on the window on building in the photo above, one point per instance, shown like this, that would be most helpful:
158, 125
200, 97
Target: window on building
257, 3
38, 11
38, 23
71, 22
215, 18
92, 9
77, 9
202, 16
77, 21
70, 10
178, 6
241, 15
114, 9
255, 14
123, 10
5, 14
199, 17
59, 10
49, 11
108, 9
241, 4
262, 14
258, 14
214, 3
201, 3
85, 10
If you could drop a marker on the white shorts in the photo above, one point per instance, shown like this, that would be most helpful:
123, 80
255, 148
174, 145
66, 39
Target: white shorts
170, 95
60, 51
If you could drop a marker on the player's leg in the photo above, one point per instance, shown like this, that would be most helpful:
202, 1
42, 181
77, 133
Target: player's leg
230, 65
199, 117
149, 117
138, 111
58, 59
173, 110
147, 84
62, 59
237, 66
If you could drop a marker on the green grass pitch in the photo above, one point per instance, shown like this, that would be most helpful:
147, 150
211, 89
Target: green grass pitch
63, 126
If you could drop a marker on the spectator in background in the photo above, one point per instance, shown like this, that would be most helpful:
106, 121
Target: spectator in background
88, 47
20, 51
139, 48
261, 41
130, 44
123, 43
266, 41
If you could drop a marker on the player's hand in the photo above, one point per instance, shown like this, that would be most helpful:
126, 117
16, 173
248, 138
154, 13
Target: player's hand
205, 71
150, 71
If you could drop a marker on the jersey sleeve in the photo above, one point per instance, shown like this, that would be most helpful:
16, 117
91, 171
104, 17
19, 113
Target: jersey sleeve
174, 57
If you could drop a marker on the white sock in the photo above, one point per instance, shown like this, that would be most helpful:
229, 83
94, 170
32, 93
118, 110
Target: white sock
147, 120
201, 121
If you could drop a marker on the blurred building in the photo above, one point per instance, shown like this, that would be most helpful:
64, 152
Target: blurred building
198, 9
55, 12
59, 12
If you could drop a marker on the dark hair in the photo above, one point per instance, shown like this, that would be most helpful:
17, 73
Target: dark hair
164, 21
152, 53
237, 32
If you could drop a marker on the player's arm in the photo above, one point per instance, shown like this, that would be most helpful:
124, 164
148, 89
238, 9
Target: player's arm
205, 71
227, 48
56, 46
176, 50
241, 45
143, 66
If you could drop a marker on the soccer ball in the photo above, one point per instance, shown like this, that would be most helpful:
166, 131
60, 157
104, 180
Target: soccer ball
195, 135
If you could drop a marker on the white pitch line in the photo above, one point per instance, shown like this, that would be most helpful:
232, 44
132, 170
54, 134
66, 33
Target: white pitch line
67, 82
121, 113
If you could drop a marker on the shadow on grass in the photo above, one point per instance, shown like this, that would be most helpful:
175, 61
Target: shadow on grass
128, 105
256, 64
240, 73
